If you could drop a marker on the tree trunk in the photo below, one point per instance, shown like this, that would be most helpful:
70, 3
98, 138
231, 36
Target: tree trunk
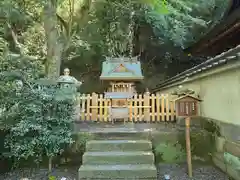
50, 164
54, 47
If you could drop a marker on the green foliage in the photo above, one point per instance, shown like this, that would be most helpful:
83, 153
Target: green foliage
169, 153
176, 152
80, 140
199, 139
85, 31
186, 21
73, 154
212, 127
38, 122
52, 178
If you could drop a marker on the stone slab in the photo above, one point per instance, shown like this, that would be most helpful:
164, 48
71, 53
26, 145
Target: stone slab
218, 160
232, 148
118, 145
112, 157
146, 171
121, 135
220, 143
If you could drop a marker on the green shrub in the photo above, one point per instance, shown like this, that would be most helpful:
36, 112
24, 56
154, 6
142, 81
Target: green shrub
38, 121
169, 153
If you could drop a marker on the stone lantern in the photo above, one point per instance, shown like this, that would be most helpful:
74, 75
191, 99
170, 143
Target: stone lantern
67, 81
66, 84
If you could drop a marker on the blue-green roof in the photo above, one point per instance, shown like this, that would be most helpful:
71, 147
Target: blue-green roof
121, 69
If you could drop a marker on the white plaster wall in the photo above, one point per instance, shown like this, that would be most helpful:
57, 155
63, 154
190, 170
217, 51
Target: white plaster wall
220, 92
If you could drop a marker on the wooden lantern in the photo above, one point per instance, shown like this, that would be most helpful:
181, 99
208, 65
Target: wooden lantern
187, 106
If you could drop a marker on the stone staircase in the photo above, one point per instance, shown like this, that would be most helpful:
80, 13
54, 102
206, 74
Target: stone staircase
117, 160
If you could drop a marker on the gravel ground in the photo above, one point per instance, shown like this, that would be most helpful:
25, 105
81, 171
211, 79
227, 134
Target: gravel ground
41, 174
176, 172
179, 172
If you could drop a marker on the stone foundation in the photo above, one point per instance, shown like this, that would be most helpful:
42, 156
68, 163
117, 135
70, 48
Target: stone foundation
227, 144
217, 138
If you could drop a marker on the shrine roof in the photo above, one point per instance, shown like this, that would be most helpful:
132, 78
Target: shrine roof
223, 36
187, 96
121, 69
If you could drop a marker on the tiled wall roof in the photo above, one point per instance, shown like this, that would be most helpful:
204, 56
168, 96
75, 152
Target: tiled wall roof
221, 59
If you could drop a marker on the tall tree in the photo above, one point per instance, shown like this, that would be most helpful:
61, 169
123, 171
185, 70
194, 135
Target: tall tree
185, 21
54, 47
82, 32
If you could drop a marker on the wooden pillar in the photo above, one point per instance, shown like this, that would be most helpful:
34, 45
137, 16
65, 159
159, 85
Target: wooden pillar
94, 106
112, 87
88, 107
146, 106
188, 147
82, 102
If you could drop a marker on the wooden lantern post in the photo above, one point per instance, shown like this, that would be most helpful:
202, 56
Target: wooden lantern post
188, 146
187, 107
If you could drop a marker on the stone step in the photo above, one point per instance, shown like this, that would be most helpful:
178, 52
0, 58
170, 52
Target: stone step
118, 145
104, 172
129, 134
113, 157
121, 135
